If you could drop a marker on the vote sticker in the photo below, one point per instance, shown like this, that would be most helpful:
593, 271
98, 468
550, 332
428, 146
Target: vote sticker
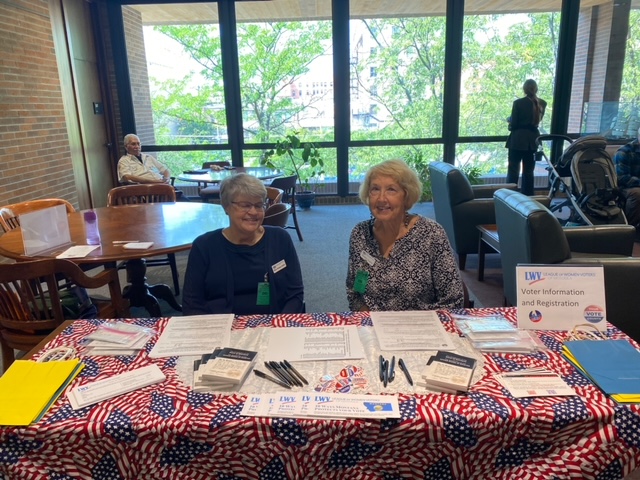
593, 314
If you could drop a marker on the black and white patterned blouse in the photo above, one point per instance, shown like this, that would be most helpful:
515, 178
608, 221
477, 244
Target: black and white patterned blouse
420, 274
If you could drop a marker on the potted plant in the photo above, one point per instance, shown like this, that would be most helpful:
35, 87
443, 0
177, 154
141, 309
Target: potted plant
295, 157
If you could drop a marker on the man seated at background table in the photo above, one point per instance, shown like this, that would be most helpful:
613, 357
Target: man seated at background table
627, 160
138, 167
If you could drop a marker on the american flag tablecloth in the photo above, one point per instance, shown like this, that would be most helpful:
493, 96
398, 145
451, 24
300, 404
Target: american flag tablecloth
169, 431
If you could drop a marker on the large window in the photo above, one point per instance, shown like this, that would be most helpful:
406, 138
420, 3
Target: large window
403, 80
397, 71
501, 51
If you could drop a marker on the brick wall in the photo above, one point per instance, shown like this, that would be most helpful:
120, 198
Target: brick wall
34, 145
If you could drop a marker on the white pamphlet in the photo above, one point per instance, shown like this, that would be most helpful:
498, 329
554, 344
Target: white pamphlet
411, 330
78, 251
137, 245
321, 405
100, 390
314, 343
535, 384
193, 335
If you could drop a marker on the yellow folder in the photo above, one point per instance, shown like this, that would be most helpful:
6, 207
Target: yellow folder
28, 389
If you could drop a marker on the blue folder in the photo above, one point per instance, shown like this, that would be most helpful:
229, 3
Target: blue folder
613, 365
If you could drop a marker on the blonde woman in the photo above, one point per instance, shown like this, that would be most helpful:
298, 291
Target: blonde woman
526, 115
399, 260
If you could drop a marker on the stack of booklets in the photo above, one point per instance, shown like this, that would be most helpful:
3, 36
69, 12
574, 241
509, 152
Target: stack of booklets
613, 365
223, 370
447, 372
117, 338
28, 389
497, 334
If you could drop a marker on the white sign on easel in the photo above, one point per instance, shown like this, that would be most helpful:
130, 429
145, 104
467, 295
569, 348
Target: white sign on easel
560, 297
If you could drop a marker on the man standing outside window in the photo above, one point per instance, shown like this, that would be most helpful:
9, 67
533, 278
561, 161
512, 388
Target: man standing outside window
627, 160
138, 167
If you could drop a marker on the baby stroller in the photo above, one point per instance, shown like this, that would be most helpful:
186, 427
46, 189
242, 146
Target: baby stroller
587, 176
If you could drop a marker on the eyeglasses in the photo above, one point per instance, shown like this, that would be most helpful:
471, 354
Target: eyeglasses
246, 206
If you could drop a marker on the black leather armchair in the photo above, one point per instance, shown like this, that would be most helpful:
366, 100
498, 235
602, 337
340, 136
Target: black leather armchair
460, 206
530, 233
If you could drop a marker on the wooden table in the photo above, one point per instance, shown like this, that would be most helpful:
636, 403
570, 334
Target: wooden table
205, 177
171, 227
489, 242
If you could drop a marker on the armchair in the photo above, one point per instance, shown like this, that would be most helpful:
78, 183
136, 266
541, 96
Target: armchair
459, 207
530, 233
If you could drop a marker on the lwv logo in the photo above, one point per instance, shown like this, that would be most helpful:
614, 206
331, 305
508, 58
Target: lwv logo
533, 276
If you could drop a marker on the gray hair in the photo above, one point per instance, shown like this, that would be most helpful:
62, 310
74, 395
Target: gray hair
401, 173
241, 184
128, 137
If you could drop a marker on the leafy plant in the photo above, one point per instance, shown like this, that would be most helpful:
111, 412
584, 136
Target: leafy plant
473, 173
415, 158
295, 157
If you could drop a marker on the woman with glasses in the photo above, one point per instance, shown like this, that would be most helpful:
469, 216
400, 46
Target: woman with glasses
399, 260
246, 268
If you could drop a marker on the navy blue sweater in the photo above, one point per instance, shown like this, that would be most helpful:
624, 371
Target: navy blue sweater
222, 277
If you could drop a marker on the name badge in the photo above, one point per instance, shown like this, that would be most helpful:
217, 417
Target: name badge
279, 266
367, 258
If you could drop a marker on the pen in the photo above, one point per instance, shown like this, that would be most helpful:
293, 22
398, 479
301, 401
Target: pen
271, 379
405, 370
122, 242
392, 370
289, 374
381, 368
277, 373
385, 373
296, 372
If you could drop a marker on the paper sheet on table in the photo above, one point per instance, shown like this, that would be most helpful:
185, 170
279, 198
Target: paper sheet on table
410, 330
77, 251
314, 343
193, 335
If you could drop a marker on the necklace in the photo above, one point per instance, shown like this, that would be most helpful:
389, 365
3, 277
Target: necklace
407, 219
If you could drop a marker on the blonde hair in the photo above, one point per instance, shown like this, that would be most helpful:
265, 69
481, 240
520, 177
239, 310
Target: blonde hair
401, 173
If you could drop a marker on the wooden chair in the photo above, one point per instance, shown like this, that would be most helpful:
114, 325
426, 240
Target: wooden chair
142, 194
277, 215
211, 192
288, 186
274, 195
30, 306
9, 214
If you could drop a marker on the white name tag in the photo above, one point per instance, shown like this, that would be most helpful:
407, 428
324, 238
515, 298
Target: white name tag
279, 266
367, 258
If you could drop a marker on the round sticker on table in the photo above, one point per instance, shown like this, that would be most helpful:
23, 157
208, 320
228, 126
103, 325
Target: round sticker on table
594, 314
535, 316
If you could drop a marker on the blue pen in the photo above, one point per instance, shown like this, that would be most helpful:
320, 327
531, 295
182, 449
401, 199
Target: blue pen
392, 369
385, 373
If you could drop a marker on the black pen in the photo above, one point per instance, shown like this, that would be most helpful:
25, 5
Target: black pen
405, 370
392, 369
385, 373
289, 374
277, 373
381, 368
296, 372
271, 379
